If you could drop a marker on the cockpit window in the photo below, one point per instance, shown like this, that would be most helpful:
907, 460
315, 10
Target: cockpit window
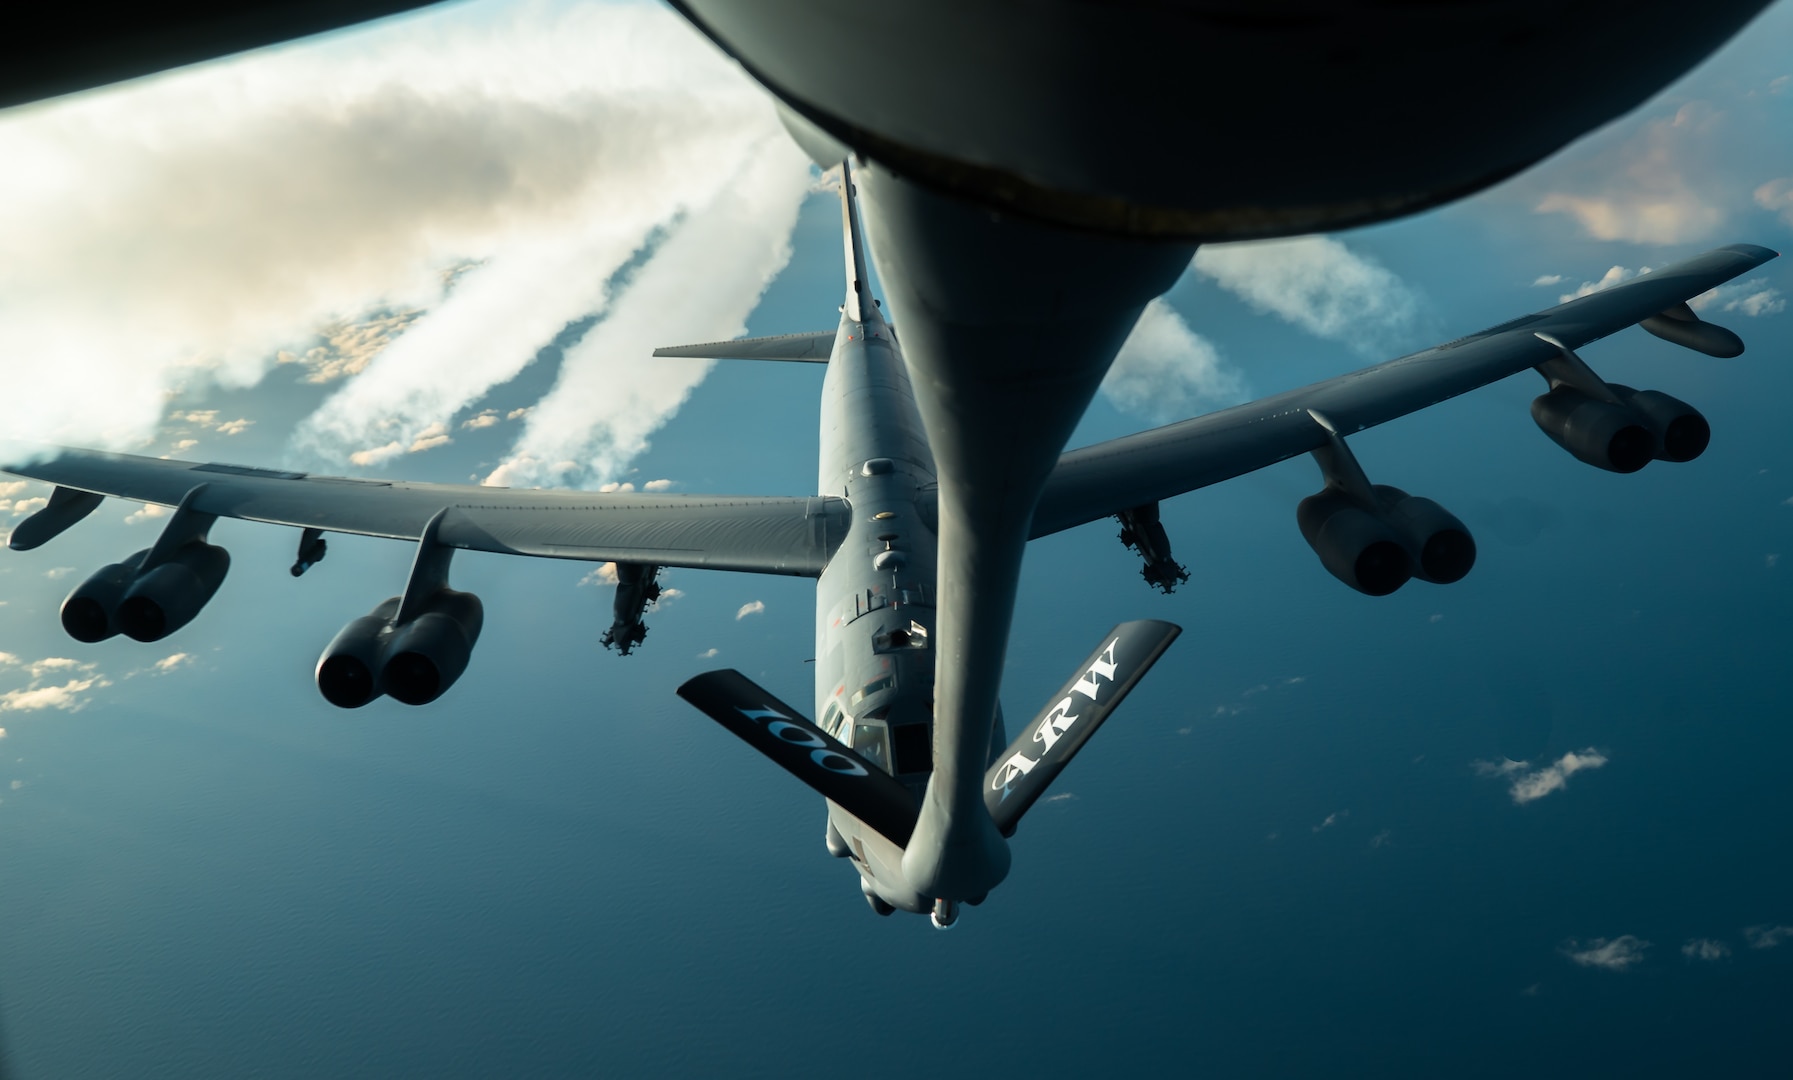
870, 741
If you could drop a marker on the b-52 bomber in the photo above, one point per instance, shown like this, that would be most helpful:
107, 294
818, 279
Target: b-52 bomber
920, 802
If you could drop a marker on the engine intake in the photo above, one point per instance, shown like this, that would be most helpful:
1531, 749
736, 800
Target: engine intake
167, 596
414, 662
1359, 548
1605, 435
87, 613
1682, 434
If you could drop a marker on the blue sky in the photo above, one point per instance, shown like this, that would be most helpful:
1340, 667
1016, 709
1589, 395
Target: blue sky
1535, 820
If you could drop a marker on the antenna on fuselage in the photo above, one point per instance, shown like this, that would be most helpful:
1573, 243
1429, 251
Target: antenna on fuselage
860, 304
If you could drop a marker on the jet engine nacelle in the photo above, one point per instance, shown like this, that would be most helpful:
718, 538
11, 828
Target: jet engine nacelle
426, 655
145, 605
1376, 549
1361, 549
415, 662
167, 596
1605, 435
1442, 549
1682, 434
87, 613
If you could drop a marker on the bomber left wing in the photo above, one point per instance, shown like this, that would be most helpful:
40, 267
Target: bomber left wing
1610, 426
793, 536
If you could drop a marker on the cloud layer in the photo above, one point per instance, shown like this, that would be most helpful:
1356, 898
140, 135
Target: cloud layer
1165, 371
310, 204
1321, 286
1527, 784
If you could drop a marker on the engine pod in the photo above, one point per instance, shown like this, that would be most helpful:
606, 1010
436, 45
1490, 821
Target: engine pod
87, 613
425, 656
168, 596
1357, 547
348, 671
1682, 434
1600, 433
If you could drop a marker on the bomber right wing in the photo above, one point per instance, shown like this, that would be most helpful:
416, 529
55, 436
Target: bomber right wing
1137, 470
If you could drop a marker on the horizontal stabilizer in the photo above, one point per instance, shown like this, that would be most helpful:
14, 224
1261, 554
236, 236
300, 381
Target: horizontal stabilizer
802, 348
805, 751
1046, 745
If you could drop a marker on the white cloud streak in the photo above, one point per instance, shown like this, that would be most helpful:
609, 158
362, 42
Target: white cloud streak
1705, 949
1165, 371
1616, 954
186, 229
752, 607
1617, 275
700, 284
1319, 285
1527, 784
1767, 937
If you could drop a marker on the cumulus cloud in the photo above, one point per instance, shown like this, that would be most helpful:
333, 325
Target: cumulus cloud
1615, 954
601, 575
1165, 371
657, 485
186, 229
1527, 784
1659, 185
1776, 196
609, 398
487, 418
1753, 298
430, 437
752, 607
1547, 279
1767, 937
1319, 285
172, 661
1700, 948
29, 506
1618, 275
38, 669
147, 512
66, 697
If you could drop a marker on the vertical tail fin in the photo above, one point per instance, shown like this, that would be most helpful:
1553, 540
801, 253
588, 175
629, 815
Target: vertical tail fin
859, 307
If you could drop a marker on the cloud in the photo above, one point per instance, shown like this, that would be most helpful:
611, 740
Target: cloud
29, 506
234, 427
705, 278
13, 487
377, 455
9, 659
1616, 954
601, 575
172, 661
57, 573
38, 669
185, 230
1767, 937
1700, 948
1332, 819
1528, 784
487, 418
707, 654
1776, 196
1752, 298
1319, 285
752, 607
1382, 839
1165, 371
657, 485
146, 512
182, 445
1615, 276
1547, 279
429, 438
1662, 184
66, 697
